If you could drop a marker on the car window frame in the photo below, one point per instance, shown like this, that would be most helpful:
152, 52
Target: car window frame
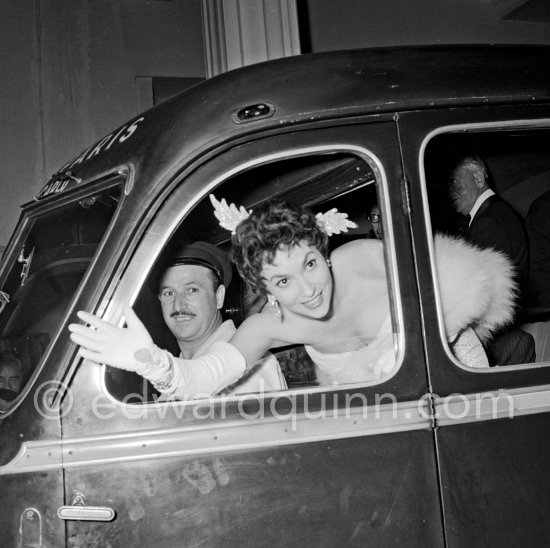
105, 181
416, 129
484, 127
215, 168
389, 250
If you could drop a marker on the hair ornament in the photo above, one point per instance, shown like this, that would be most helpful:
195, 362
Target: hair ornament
334, 222
228, 215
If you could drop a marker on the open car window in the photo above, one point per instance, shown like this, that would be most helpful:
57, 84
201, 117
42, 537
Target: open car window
319, 181
513, 217
53, 256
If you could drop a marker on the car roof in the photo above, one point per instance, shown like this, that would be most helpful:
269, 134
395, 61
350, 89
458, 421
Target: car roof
319, 86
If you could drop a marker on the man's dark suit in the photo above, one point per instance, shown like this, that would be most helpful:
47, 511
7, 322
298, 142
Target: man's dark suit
538, 230
498, 226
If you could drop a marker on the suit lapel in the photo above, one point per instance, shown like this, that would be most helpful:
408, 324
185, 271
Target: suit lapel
484, 206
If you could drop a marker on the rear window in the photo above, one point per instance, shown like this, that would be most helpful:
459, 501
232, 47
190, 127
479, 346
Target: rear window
53, 256
491, 187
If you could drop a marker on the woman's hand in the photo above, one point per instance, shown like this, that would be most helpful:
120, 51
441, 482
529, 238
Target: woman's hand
129, 347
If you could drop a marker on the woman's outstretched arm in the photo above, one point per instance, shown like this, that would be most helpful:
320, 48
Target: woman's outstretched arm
132, 348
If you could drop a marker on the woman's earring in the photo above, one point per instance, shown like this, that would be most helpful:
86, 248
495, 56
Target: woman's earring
275, 303
329, 264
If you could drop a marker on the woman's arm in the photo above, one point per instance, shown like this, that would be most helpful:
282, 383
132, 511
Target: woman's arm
255, 336
132, 348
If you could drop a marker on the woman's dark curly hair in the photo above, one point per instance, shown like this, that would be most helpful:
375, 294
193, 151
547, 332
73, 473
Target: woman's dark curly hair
273, 226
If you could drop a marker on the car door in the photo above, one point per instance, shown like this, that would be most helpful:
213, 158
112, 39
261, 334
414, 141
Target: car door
46, 264
491, 424
31, 477
312, 465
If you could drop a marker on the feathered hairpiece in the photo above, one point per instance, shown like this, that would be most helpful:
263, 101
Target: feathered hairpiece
229, 217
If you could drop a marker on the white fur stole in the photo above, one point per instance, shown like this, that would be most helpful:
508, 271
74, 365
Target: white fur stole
476, 285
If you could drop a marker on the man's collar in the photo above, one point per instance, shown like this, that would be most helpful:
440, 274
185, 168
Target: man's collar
223, 332
480, 199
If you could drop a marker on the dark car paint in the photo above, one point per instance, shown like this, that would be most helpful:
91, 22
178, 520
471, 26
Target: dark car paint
414, 488
356, 83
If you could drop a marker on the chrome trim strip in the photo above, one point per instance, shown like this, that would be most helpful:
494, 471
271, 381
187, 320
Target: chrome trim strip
491, 405
234, 435
34, 456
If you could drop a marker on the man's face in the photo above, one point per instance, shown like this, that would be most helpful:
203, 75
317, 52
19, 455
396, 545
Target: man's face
10, 376
376, 221
189, 302
463, 189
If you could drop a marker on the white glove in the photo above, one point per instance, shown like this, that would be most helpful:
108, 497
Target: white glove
132, 348
129, 348
207, 375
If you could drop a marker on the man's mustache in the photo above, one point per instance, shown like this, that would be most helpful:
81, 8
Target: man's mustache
8, 395
177, 313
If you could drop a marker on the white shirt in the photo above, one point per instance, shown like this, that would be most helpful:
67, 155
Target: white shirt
480, 199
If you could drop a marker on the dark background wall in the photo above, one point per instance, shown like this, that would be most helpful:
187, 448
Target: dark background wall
363, 23
70, 73
73, 70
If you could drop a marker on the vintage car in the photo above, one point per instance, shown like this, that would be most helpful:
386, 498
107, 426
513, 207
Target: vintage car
436, 453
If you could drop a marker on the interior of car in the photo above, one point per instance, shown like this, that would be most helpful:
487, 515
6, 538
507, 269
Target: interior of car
320, 182
518, 165
519, 168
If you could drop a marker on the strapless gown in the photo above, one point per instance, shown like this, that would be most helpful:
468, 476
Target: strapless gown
378, 359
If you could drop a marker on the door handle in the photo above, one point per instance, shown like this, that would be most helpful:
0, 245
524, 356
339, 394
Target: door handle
80, 511
86, 513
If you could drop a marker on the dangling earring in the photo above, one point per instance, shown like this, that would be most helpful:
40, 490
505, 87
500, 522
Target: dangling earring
275, 303
329, 264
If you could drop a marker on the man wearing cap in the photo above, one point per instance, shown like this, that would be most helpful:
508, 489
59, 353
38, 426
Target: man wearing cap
191, 290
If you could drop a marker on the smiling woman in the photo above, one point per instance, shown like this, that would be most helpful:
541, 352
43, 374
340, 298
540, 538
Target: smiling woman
281, 250
336, 306
299, 279
331, 298
301, 292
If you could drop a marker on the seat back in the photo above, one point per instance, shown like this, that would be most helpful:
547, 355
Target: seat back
541, 333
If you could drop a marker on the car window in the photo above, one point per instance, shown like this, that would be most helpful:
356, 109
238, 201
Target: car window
491, 188
320, 182
53, 257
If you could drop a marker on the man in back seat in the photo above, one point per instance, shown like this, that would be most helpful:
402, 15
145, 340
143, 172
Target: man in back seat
493, 223
538, 229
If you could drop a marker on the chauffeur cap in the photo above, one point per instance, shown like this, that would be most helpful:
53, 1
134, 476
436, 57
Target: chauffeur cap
204, 254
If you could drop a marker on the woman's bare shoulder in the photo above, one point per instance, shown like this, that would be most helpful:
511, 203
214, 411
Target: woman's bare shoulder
363, 255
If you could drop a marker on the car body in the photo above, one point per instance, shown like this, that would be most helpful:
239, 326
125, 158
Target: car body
438, 454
